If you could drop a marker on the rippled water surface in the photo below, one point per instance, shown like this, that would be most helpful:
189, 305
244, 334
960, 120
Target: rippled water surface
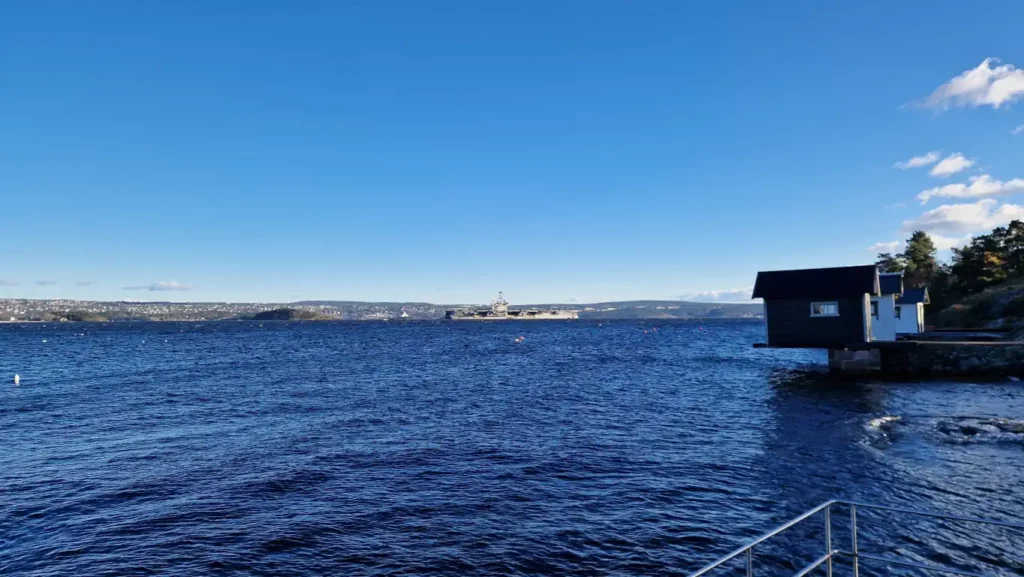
375, 449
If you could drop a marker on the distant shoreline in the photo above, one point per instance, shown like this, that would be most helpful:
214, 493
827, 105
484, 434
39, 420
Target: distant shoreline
117, 311
396, 321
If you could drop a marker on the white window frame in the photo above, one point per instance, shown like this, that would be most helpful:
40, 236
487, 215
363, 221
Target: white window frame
833, 304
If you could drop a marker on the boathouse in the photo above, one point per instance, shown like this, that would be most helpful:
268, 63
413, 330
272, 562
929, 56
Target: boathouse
820, 308
910, 311
897, 312
883, 307
846, 310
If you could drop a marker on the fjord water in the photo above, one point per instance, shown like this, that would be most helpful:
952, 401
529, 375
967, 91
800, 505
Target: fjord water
450, 449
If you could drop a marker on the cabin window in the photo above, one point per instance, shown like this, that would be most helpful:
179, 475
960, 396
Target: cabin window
898, 309
874, 309
825, 309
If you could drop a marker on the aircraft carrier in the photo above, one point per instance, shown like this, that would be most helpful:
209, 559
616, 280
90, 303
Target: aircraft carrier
499, 311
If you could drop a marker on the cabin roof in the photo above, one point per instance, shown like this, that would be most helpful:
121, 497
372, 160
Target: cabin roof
825, 283
891, 283
914, 296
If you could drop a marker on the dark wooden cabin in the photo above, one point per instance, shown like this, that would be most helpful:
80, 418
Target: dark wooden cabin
818, 308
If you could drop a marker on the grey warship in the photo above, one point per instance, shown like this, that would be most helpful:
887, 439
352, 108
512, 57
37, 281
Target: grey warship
499, 311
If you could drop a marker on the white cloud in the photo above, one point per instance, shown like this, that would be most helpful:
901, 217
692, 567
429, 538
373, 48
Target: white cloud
1017, 130
83, 283
962, 219
952, 164
161, 286
982, 86
720, 296
941, 243
9, 282
975, 187
891, 246
917, 161
946, 242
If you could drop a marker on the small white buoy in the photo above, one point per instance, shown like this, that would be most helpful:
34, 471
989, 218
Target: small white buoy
17, 380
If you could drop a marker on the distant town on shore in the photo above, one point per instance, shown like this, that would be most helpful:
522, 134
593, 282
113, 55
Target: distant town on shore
55, 310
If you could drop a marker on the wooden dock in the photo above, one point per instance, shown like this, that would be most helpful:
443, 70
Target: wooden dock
937, 357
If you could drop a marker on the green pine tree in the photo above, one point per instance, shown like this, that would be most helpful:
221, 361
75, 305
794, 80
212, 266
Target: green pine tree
887, 262
919, 257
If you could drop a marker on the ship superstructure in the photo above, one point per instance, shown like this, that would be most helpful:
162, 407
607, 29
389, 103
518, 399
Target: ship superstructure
499, 311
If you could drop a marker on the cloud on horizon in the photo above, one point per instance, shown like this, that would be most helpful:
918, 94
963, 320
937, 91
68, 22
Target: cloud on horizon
83, 283
891, 247
9, 283
982, 86
918, 161
161, 286
720, 296
941, 243
964, 219
946, 242
45, 283
975, 187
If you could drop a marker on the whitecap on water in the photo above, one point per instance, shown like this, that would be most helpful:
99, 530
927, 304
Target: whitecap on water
981, 430
883, 422
881, 429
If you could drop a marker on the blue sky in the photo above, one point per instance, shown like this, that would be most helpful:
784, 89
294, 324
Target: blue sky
443, 151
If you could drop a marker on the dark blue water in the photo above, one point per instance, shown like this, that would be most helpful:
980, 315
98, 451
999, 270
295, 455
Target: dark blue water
448, 449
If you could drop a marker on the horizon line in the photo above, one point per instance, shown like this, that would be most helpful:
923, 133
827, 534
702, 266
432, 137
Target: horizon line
301, 301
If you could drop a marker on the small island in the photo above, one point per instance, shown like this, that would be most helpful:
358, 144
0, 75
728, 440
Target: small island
287, 314
74, 316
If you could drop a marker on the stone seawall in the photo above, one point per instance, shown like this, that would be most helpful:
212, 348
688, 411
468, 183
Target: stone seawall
957, 359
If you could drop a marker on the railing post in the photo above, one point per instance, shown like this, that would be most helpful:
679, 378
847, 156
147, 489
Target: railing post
853, 539
750, 562
828, 538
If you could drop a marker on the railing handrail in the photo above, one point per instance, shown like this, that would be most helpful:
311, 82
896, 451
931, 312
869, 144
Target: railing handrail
762, 539
831, 553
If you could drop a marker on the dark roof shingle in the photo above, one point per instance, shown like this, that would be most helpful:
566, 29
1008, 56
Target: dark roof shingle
891, 283
837, 282
913, 296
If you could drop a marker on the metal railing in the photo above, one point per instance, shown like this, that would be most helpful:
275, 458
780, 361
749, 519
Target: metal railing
747, 551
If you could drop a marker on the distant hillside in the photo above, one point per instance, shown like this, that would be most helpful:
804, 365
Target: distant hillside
662, 310
341, 304
615, 310
603, 310
56, 310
